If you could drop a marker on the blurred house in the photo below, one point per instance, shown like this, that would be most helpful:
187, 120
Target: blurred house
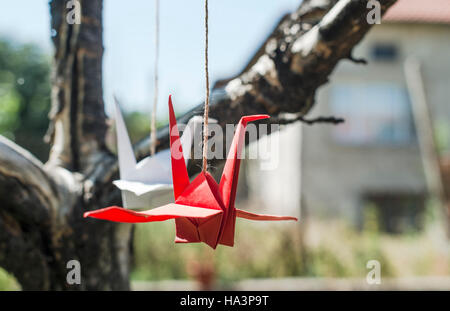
372, 160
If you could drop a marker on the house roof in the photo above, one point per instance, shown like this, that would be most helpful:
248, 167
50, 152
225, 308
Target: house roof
419, 11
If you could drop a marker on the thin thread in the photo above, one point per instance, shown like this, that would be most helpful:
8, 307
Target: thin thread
205, 117
155, 98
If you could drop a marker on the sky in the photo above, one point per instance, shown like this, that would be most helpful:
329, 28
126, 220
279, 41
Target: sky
236, 29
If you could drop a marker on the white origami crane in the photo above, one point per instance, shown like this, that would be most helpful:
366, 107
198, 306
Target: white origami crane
149, 182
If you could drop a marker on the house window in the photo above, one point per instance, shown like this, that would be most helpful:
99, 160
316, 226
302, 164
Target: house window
394, 212
375, 114
384, 52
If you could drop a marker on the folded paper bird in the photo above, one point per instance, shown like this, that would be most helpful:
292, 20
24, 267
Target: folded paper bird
204, 211
148, 182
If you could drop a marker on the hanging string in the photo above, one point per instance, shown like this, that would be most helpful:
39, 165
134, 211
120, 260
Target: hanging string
155, 98
205, 117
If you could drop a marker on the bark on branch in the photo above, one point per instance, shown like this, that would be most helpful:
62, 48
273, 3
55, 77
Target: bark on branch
285, 73
78, 121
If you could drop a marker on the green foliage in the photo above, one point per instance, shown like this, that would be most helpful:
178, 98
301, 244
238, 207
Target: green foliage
153, 245
138, 125
157, 257
24, 95
9, 113
7, 281
442, 135
331, 249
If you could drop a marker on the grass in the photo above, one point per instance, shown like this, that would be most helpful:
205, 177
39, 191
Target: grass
7, 281
268, 250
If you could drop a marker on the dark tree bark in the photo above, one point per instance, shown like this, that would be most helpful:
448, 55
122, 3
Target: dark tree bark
41, 224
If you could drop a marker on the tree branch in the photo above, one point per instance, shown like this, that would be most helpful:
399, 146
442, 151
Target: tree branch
27, 191
287, 70
293, 118
78, 121
29, 198
42, 228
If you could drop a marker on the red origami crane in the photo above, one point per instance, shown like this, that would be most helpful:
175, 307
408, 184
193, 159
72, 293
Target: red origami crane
204, 211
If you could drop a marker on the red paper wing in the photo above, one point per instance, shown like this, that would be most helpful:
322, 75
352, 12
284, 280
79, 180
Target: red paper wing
180, 175
169, 211
228, 182
251, 216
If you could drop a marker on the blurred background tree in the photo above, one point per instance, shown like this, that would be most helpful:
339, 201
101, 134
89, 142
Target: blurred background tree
25, 99
24, 95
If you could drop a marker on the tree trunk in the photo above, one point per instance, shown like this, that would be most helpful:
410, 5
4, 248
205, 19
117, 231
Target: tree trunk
41, 224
